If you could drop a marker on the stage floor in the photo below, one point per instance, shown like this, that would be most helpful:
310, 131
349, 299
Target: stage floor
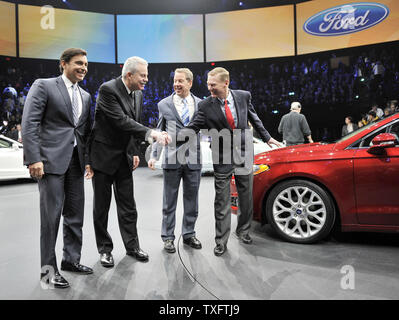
352, 266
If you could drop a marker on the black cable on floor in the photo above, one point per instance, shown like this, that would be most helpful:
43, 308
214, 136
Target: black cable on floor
188, 271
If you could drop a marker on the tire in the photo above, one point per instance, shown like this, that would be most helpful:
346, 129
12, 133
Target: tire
300, 211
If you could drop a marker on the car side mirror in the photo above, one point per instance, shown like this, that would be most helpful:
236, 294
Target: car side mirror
381, 142
15, 146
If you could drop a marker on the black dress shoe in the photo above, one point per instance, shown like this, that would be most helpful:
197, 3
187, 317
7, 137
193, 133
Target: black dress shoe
193, 242
138, 254
220, 249
169, 246
75, 267
245, 238
56, 281
107, 260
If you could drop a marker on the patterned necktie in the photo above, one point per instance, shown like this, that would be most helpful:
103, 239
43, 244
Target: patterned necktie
185, 115
229, 115
75, 104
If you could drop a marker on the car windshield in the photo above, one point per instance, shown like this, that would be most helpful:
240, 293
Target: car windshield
350, 135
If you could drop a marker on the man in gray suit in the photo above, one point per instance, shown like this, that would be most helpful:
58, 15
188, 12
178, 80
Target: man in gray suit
55, 127
294, 126
178, 164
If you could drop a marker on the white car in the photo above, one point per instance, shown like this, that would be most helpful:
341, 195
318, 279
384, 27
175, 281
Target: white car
11, 160
207, 164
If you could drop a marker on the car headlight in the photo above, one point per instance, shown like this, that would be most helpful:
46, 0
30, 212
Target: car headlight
259, 168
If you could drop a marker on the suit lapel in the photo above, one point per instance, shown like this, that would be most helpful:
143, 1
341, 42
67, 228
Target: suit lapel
219, 113
65, 95
138, 97
173, 109
85, 105
125, 97
237, 105
195, 103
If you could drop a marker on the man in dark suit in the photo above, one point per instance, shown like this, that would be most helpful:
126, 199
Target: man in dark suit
114, 155
55, 127
175, 113
227, 112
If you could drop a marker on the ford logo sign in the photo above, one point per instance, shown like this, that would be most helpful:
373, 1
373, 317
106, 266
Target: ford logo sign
345, 19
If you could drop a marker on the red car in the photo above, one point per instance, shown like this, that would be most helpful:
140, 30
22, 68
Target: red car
304, 190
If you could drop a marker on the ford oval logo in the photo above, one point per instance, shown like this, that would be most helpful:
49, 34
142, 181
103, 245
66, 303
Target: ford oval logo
344, 19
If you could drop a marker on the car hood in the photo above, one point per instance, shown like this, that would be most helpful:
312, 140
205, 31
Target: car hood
302, 152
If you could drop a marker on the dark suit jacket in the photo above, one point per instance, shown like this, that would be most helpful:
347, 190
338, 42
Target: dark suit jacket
211, 116
170, 121
116, 127
48, 129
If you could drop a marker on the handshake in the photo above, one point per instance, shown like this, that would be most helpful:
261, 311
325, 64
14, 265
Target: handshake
161, 137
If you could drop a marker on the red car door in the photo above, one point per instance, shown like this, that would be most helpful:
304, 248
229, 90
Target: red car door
376, 184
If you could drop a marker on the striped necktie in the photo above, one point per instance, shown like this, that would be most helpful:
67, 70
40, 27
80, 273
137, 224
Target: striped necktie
75, 104
185, 115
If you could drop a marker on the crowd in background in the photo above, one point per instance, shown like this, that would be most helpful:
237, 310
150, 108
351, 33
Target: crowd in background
326, 81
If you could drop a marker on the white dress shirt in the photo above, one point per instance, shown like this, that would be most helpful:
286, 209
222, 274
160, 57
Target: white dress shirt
178, 102
127, 88
69, 86
149, 138
232, 107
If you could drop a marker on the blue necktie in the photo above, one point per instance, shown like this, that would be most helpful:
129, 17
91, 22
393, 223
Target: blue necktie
185, 115
75, 104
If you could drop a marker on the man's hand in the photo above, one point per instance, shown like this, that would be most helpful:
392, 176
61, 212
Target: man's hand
151, 164
167, 137
275, 142
36, 170
89, 173
136, 162
161, 137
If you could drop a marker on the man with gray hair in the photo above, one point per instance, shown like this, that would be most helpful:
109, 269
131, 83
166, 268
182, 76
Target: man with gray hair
114, 153
293, 126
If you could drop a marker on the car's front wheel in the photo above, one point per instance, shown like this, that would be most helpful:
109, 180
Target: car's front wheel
300, 211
